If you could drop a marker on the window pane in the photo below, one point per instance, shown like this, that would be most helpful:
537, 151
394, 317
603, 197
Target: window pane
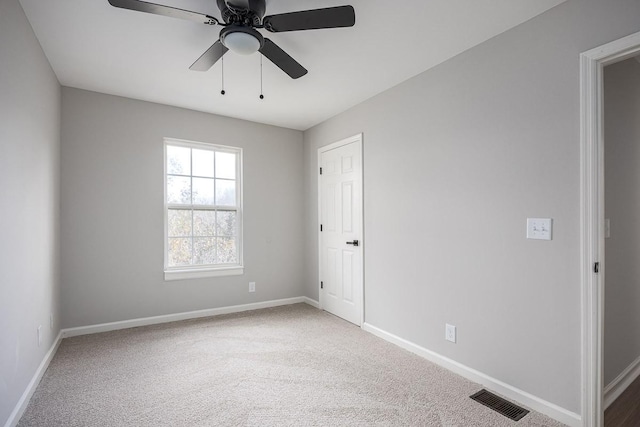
203, 216
202, 163
204, 223
227, 253
226, 223
179, 252
225, 192
178, 160
178, 189
225, 165
179, 223
202, 191
204, 251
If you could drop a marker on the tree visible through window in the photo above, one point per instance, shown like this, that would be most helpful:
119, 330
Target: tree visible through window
203, 212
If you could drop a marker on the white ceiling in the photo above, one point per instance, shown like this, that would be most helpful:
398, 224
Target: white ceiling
92, 45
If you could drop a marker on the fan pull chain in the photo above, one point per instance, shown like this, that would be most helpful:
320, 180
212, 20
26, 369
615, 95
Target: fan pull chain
261, 93
222, 91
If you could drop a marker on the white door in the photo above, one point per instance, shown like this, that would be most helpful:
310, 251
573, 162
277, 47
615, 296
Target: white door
340, 193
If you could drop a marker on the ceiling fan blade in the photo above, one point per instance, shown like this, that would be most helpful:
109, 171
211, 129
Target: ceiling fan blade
158, 9
279, 57
330, 17
210, 57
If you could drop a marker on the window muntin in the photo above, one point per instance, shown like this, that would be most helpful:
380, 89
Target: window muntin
203, 214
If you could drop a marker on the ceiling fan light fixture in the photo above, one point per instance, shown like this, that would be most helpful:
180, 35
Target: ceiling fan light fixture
242, 43
241, 40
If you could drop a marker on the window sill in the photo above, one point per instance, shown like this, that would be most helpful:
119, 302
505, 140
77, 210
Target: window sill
202, 273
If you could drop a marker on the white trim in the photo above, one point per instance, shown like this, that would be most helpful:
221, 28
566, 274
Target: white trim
616, 387
537, 404
311, 302
154, 320
342, 142
201, 145
22, 404
592, 63
200, 273
358, 138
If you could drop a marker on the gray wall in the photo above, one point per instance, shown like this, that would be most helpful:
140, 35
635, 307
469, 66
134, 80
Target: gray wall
455, 160
112, 210
29, 204
622, 207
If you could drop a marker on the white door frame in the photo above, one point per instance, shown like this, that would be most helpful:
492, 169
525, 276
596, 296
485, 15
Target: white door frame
357, 139
592, 64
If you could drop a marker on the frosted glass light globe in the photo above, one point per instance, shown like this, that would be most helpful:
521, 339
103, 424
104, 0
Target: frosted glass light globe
242, 43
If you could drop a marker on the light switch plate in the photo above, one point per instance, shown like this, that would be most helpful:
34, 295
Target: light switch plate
539, 228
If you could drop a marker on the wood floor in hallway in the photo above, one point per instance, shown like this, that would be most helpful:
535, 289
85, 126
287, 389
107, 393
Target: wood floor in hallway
625, 411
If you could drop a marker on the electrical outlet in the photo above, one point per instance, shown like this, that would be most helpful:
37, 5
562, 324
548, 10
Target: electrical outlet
39, 335
450, 332
252, 286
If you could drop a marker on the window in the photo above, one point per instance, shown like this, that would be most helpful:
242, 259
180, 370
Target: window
203, 210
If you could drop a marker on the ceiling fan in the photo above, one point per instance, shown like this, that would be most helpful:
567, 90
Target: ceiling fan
241, 20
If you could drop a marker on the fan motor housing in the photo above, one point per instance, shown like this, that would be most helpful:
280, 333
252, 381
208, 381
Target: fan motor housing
247, 12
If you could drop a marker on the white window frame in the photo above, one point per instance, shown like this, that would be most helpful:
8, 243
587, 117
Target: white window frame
197, 271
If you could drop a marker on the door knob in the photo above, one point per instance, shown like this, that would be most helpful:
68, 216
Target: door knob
354, 243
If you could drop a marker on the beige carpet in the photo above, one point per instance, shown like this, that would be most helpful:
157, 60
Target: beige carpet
286, 366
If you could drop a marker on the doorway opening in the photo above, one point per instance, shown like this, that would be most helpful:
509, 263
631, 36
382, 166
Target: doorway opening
593, 266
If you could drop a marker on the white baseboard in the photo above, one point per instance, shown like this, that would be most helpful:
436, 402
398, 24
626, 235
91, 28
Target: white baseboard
554, 411
311, 302
145, 321
615, 388
22, 404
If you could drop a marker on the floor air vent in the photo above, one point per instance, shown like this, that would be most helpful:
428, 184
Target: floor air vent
499, 405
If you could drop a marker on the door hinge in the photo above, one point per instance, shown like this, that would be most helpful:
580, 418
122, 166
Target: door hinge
320, 227
321, 285
320, 171
596, 267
